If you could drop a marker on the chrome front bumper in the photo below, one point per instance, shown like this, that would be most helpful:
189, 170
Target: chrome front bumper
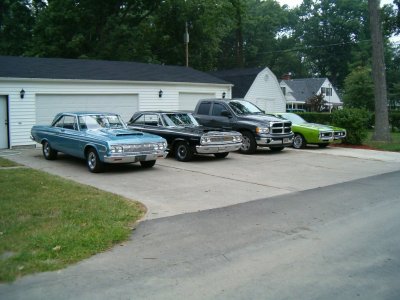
273, 141
211, 149
132, 158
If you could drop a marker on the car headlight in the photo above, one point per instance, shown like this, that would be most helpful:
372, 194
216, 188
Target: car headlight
237, 138
160, 146
116, 149
261, 130
205, 140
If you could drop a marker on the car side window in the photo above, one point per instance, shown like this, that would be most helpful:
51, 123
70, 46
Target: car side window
60, 122
148, 119
70, 123
217, 109
204, 108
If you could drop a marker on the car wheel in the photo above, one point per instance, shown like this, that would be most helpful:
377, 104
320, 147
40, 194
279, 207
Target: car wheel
221, 155
183, 152
276, 149
298, 141
249, 145
148, 163
323, 145
48, 152
94, 164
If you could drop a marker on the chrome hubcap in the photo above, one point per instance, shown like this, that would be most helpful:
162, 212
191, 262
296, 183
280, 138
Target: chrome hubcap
245, 143
297, 142
182, 151
92, 160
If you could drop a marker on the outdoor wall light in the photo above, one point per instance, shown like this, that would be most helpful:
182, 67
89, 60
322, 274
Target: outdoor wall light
223, 95
22, 94
160, 94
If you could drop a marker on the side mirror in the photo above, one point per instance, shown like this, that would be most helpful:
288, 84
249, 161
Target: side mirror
226, 113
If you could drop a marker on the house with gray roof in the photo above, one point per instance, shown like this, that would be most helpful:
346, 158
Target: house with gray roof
33, 90
257, 85
298, 91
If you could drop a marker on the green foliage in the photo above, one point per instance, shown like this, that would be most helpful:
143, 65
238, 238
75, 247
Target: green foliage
48, 223
359, 91
355, 121
320, 118
394, 120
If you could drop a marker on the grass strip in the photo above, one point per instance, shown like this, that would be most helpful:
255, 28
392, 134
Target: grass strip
47, 222
394, 145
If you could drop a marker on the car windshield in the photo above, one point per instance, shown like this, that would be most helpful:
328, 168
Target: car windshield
179, 119
93, 122
241, 107
295, 119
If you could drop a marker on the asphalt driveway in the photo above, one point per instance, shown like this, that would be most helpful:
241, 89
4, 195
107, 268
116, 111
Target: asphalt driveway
172, 187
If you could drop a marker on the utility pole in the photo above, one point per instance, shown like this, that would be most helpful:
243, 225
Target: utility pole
186, 41
381, 131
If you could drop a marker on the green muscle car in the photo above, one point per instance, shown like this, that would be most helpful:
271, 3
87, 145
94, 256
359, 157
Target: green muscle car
311, 133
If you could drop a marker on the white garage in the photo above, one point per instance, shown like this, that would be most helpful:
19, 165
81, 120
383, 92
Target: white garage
47, 106
188, 101
34, 90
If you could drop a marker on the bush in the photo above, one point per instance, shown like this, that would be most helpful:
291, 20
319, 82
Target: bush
394, 120
355, 121
313, 117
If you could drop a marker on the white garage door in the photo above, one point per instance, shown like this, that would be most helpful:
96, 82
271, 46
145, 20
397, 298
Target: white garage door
47, 106
188, 101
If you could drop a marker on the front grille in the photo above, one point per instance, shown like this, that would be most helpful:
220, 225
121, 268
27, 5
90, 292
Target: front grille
221, 139
138, 148
281, 127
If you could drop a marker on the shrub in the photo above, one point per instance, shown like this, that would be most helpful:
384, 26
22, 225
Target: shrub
355, 121
313, 117
394, 120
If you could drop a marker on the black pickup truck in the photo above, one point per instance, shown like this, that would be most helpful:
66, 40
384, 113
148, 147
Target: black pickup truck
257, 128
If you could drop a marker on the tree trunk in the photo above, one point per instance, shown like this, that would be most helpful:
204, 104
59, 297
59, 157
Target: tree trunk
382, 131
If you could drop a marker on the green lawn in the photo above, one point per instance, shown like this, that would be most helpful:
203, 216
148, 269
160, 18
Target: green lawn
47, 222
7, 163
394, 145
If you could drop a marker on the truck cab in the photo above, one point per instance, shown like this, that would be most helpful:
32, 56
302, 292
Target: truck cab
257, 128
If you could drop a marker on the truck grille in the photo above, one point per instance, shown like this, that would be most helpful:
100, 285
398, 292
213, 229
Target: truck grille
281, 127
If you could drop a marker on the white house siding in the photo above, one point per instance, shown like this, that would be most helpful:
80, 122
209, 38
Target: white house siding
266, 92
22, 112
188, 101
334, 99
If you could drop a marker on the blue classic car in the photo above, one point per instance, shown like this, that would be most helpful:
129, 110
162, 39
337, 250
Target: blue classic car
99, 138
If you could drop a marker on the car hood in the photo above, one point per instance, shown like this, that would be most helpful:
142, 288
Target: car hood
262, 119
124, 135
315, 126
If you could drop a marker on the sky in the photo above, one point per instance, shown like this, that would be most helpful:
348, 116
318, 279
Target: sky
293, 3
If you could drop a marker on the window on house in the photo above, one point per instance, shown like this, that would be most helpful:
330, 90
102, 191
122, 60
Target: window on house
283, 88
326, 91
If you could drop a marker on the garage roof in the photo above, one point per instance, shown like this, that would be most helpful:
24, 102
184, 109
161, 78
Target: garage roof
242, 79
60, 68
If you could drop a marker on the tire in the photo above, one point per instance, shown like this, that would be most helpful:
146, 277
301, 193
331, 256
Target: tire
249, 145
183, 152
276, 149
94, 164
298, 141
48, 152
323, 145
147, 164
221, 155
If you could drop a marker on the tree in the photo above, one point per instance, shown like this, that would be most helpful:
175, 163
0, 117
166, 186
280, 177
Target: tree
16, 22
328, 31
358, 89
381, 132
316, 103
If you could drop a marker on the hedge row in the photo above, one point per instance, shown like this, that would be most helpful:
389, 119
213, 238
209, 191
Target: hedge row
355, 121
326, 118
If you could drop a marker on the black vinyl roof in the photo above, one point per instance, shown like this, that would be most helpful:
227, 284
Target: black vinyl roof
242, 79
84, 69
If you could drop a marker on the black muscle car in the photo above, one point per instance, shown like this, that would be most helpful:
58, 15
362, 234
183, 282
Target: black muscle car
184, 135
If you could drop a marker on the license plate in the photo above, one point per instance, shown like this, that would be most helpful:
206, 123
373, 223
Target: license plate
286, 140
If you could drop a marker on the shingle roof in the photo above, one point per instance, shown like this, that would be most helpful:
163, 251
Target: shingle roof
60, 68
304, 88
242, 79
